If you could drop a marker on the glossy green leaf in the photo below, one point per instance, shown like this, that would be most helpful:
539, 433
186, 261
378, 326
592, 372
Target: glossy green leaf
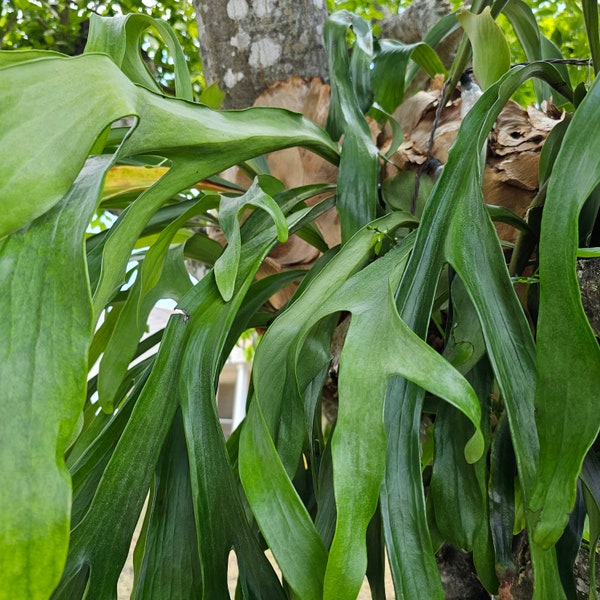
153, 263
41, 165
230, 210
271, 387
549, 51
491, 54
523, 21
567, 351
45, 296
454, 483
96, 443
357, 181
455, 213
143, 439
356, 489
215, 491
390, 65
308, 550
361, 58
500, 214
121, 37
457, 488
170, 567
410, 550
131, 324
484, 558
102, 539
378, 346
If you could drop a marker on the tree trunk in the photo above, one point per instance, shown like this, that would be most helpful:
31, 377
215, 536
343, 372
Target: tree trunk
248, 45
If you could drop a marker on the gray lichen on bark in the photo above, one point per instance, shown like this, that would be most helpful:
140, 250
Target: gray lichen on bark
247, 45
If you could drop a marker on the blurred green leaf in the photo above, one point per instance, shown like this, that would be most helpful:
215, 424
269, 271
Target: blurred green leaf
590, 14
491, 54
390, 65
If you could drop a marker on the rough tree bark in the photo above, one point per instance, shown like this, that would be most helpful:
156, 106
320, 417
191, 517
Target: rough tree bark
248, 45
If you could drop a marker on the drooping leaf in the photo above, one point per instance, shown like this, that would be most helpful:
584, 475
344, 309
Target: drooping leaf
357, 181
386, 344
219, 512
44, 338
308, 550
567, 351
170, 567
456, 486
216, 500
454, 214
347, 563
194, 157
97, 442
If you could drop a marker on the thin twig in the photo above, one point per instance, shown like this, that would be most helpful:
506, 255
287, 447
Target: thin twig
430, 158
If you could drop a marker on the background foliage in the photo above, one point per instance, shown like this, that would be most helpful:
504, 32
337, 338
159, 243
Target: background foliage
63, 26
